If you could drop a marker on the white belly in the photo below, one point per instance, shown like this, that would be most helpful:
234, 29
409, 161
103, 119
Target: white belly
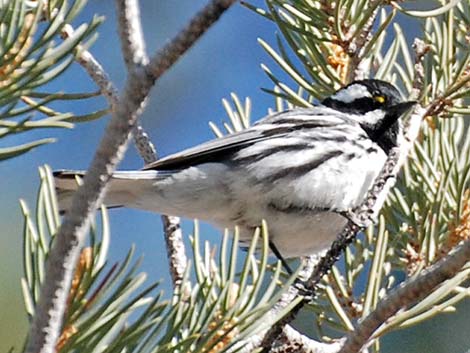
305, 234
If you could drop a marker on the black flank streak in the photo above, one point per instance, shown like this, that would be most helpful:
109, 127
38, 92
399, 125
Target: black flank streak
295, 209
299, 171
338, 139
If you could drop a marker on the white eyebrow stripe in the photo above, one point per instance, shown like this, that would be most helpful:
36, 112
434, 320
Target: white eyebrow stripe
351, 93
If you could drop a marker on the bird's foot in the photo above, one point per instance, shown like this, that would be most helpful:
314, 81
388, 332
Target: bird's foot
303, 289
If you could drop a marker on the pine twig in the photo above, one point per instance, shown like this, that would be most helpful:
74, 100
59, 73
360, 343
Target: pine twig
144, 146
94, 70
408, 293
422, 285
371, 206
47, 322
357, 71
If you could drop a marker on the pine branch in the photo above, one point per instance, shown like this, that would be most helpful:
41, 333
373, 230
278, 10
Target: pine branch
408, 293
48, 319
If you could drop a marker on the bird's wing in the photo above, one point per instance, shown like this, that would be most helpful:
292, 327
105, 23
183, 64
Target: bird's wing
207, 152
275, 125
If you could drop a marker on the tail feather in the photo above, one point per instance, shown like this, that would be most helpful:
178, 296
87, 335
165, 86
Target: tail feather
121, 191
66, 183
186, 193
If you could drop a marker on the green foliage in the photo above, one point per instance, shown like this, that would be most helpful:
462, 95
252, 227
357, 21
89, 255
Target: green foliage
109, 310
324, 44
334, 42
32, 54
328, 38
223, 307
100, 299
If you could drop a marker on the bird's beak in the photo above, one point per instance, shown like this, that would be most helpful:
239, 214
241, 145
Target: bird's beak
401, 108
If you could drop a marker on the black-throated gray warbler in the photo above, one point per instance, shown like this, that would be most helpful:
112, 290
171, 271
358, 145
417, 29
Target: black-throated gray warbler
300, 170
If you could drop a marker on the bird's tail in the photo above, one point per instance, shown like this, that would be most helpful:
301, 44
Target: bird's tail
123, 189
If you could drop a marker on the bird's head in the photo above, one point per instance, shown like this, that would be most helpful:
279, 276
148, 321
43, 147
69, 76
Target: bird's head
376, 105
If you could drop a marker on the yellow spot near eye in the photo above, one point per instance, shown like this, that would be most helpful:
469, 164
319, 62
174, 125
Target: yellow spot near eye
380, 99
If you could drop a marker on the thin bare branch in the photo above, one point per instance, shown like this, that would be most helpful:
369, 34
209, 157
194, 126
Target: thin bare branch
47, 322
130, 32
358, 68
94, 70
143, 144
175, 249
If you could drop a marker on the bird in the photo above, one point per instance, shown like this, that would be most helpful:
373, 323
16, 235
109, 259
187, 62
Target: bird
301, 170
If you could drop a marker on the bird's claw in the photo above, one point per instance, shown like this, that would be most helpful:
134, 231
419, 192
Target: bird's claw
303, 289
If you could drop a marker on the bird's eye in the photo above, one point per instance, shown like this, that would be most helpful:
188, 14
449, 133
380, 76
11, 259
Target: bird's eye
379, 99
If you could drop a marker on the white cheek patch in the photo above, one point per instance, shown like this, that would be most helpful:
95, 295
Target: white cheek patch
351, 93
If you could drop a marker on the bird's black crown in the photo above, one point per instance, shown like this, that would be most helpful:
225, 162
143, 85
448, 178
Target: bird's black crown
360, 97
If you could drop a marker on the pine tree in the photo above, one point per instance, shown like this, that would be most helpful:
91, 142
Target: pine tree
77, 303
